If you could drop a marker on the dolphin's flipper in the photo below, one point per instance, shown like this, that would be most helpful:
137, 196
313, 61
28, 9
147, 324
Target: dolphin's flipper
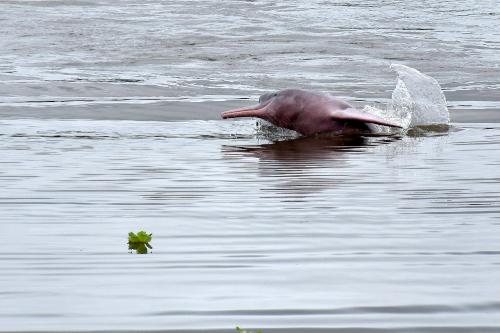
352, 114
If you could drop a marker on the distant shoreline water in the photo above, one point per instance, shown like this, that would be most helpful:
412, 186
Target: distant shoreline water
99, 59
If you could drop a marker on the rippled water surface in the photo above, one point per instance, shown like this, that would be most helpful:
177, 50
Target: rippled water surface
345, 234
88, 58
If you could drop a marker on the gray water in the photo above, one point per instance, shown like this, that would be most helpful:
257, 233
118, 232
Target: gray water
370, 234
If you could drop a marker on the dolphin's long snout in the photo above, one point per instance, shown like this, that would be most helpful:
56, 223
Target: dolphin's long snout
258, 111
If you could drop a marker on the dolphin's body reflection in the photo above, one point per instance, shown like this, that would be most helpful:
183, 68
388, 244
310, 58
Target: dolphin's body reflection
307, 148
305, 165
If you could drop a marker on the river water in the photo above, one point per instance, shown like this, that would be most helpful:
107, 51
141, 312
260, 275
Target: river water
109, 123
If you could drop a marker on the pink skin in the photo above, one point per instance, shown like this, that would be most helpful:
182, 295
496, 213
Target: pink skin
309, 113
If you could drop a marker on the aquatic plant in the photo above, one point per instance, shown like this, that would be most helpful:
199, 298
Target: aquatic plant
140, 237
240, 330
139, 242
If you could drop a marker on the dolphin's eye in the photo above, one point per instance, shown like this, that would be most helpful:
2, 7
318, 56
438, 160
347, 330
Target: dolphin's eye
275, 94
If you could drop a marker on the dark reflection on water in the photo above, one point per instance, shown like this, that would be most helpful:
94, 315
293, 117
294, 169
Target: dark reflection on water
306, 165
291, 161
304, 149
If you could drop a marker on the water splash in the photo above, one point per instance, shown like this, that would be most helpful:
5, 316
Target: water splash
417, 100
268, 131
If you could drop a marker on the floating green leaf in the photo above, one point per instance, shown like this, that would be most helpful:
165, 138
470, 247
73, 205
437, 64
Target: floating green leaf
139, 242
140, 237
